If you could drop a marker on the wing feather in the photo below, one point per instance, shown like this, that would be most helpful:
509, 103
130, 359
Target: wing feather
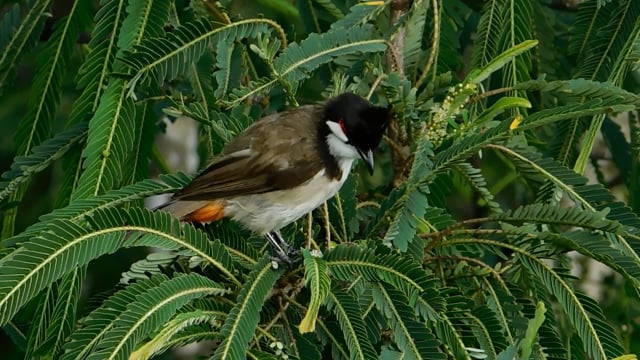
278, 152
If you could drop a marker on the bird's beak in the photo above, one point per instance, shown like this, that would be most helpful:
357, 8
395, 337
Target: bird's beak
368, 159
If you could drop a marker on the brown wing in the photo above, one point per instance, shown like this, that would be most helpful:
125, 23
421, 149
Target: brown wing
277, 152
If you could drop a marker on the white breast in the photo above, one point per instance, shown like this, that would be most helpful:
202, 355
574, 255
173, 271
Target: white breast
271, 211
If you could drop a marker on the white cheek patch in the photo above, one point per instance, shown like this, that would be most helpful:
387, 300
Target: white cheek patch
336, 129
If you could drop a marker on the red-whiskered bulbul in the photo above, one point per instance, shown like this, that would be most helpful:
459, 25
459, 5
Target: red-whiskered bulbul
284, 166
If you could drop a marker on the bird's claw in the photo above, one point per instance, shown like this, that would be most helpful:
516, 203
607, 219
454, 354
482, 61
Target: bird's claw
283, 252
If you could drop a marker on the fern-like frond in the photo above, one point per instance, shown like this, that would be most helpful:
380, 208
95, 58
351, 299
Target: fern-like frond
463, 148
609, 48
414, 30
412, 337
476, 180
235, 241
109, 142
585, 98
488, 33
402, 229
41, 157
80, 209
613, 65
92, 77
46, 258
359, 14
572, 91
227, 55
153, 263
62, 321
599, 248
488, 330
413, 203
591, 17
166, 337
318, 282
297, 61
95, 325
155, 60
448, 334
240, 324
330, 8
517, 28
399, 271
35, 127
136, 165
41, 317
506, 59
588, 108
598, 338
591, 197
576, 93
46, 91
19, 35
349, 316
145, 19
150, 311
570, 216
93, 74
191, 335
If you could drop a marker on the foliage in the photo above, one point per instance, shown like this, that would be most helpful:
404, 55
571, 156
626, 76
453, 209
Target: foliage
460, 246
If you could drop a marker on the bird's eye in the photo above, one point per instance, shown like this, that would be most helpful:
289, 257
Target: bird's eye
342, 126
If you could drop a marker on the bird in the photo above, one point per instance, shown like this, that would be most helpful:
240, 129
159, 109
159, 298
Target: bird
284, 166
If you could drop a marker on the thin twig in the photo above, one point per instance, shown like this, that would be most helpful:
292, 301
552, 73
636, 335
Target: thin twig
327, 223
435, 40
375, 84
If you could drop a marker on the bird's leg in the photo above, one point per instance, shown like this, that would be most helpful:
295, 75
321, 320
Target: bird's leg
280, 246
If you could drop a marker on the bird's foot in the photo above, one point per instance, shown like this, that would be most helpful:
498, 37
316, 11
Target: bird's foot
283, 252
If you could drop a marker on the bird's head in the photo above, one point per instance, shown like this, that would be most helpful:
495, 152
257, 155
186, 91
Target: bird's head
355, 127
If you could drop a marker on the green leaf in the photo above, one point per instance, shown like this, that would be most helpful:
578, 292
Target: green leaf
145, 19
18, 36
412, 337
500, 61
65, 246
349, 316
402, 272
63, 313
598, 338
474, 178
93, 327
109, 142
240, 324
297, 61
526, 344
150, 311
501, 105
448, 334
488, 33
78, 210
93, 74
46, 91
166, 337
41, 157
359, 14
155, 60
136, 167
413, 203
318, 282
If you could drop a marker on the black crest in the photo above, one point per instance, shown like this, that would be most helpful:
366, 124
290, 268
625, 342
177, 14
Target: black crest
363, 122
